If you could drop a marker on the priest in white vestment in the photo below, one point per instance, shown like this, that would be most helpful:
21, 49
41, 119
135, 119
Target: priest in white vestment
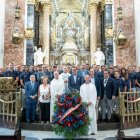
89, 95
65, 76
56, 88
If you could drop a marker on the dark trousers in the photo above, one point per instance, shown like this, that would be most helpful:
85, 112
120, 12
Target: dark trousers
30, 111
45, 111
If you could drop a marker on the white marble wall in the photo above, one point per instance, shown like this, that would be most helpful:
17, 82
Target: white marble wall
2, 25
137, 29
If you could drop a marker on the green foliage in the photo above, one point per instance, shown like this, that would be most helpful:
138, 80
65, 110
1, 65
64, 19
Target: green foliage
71, 134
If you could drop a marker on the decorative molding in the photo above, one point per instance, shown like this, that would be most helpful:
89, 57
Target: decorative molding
108, 1
55, 6
29, 33
93, 4
46, 6
85, 5
109, 32
104, 2
31, 2
92, 7
73, 5
94, 1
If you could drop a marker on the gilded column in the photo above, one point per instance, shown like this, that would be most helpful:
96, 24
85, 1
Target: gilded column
45, 36
93, 30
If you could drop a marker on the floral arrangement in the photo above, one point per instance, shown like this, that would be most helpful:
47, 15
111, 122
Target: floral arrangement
70, 116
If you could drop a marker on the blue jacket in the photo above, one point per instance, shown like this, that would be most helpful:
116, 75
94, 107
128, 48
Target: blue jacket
12, 74
110, 89
71, 83
99, 74
31, 91
98, 86
82, 73
41, 74
120, 85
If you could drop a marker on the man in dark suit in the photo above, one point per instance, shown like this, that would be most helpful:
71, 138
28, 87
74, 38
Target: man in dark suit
108, 93
83, 71
75, 80
31, 91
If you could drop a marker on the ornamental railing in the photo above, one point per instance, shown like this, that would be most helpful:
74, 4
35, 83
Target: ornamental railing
129, 109
10, 106
10, 102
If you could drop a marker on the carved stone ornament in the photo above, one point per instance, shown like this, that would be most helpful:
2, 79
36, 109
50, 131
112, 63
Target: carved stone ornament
29, 33
7, 84
109, 32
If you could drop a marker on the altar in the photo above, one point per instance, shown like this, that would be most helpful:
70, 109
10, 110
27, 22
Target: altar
69, 44
68, 33
70, 58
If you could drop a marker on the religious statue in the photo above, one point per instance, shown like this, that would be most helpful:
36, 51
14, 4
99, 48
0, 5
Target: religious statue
38, 57
70, 32
70, 28
99, 57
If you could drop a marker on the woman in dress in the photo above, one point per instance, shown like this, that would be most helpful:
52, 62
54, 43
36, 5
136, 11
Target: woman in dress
44, 100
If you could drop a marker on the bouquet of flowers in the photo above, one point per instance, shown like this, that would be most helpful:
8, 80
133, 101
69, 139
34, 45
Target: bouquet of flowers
70, 116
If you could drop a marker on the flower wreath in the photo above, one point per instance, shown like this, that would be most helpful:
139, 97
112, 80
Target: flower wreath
70, 116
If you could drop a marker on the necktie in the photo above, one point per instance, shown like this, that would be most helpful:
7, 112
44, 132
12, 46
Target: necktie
75, 79
32, 85
105, 81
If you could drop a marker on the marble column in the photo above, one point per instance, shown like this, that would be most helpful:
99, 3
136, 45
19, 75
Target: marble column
2, 25
30, 42
137, 30
108, 23
45, 36
93, 30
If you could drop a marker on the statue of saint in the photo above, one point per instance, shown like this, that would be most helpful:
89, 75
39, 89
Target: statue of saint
70, 28
99, 57
38, 57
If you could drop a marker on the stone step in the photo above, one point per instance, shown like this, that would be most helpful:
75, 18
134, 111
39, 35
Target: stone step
48, 127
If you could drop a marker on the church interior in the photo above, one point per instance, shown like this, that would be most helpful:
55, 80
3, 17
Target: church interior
59, 34
69, 31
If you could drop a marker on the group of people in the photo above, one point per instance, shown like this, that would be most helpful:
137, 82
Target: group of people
97, 85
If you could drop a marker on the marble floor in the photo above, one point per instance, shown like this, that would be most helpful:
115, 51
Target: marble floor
40, 135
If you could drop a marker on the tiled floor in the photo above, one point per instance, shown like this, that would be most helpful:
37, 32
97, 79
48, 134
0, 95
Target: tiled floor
40, 135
